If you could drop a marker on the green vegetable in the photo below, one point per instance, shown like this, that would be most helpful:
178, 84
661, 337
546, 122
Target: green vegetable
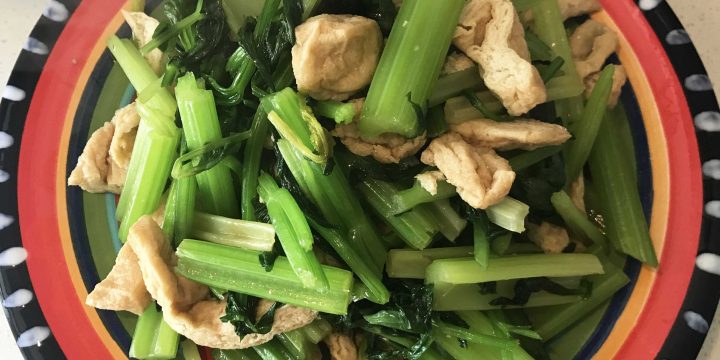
248, 235
508, 214
201, 126
240, 312
468, 271
578, 150
614, 181
549, 71
481, 243
416, 227
180, 209
407, 199
446, 218
294, 233
449, 297
550, 321
378, 293
295, 122
454, 84
240, 354
207, 156
153, 338
342, 113
411, 264
530, 158
299, 345
251, 163
474, 337
239, 270
273, 350
338, 204
317, 330
436, 124
576, 220
190, 350
473, 99
409, 66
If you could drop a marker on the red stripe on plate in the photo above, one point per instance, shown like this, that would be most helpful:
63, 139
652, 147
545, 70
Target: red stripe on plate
37, 187
685, 203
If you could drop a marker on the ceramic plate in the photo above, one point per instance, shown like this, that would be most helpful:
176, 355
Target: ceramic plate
57, 242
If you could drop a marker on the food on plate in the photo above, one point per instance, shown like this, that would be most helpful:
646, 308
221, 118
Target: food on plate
366, 179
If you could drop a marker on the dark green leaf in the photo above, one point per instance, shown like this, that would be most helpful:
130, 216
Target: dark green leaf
240, 312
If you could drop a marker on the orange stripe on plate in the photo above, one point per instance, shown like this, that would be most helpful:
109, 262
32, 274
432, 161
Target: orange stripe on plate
661, 190
61, 201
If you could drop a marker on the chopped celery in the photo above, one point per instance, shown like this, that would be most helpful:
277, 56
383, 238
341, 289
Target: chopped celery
293, 231
576, 220
616, 188
342, 113
378, 293
481, 245
467, 271
151, 164
509, 214
337, 202
449, 297
273, 350
416, 227
409, 67
407, 199
299, 345
501, 244
550, 321
479, 322
454, 84
201, 126
411, 264
474, 337
249, 235
295, 122
260, 130
317, 330
530, 158
239, 270
184, 208
239, 354
153, 338
447, 219
436, 124
190, 350
578, 150
459, 109
548, 72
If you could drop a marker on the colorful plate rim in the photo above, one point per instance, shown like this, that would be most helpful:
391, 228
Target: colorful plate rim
39, 266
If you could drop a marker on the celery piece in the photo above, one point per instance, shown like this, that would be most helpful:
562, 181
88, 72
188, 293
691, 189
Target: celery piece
548, 25
538, 49
201, 126
140, 74
551, 321
501, 244
190, 350
530, 158
248, 235
273, 350
317, 330
294, 233
449, 297
459, 109
337, 202
479, 322
411, 264
409, 67
481, 245
153, 338
509, 214
576, 220
342, 113
154, 160
377, 290
180, 209
447, 219
416, 227
614, 183
299, 345
239, 354
474, 337
578, 150
468, 271
295, 122
239, 270
454, 84
407, 199
260, 130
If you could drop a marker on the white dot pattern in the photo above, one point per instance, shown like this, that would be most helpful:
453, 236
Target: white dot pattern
19, 298
696, 322
13, 93
33, 336
708, 121
646, 5
708, 262
712, 208
677, 37
698, 82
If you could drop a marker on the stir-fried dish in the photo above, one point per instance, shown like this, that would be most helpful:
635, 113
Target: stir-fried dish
367, 179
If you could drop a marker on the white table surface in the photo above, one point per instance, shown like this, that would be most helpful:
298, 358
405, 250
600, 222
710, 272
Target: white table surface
700, 18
